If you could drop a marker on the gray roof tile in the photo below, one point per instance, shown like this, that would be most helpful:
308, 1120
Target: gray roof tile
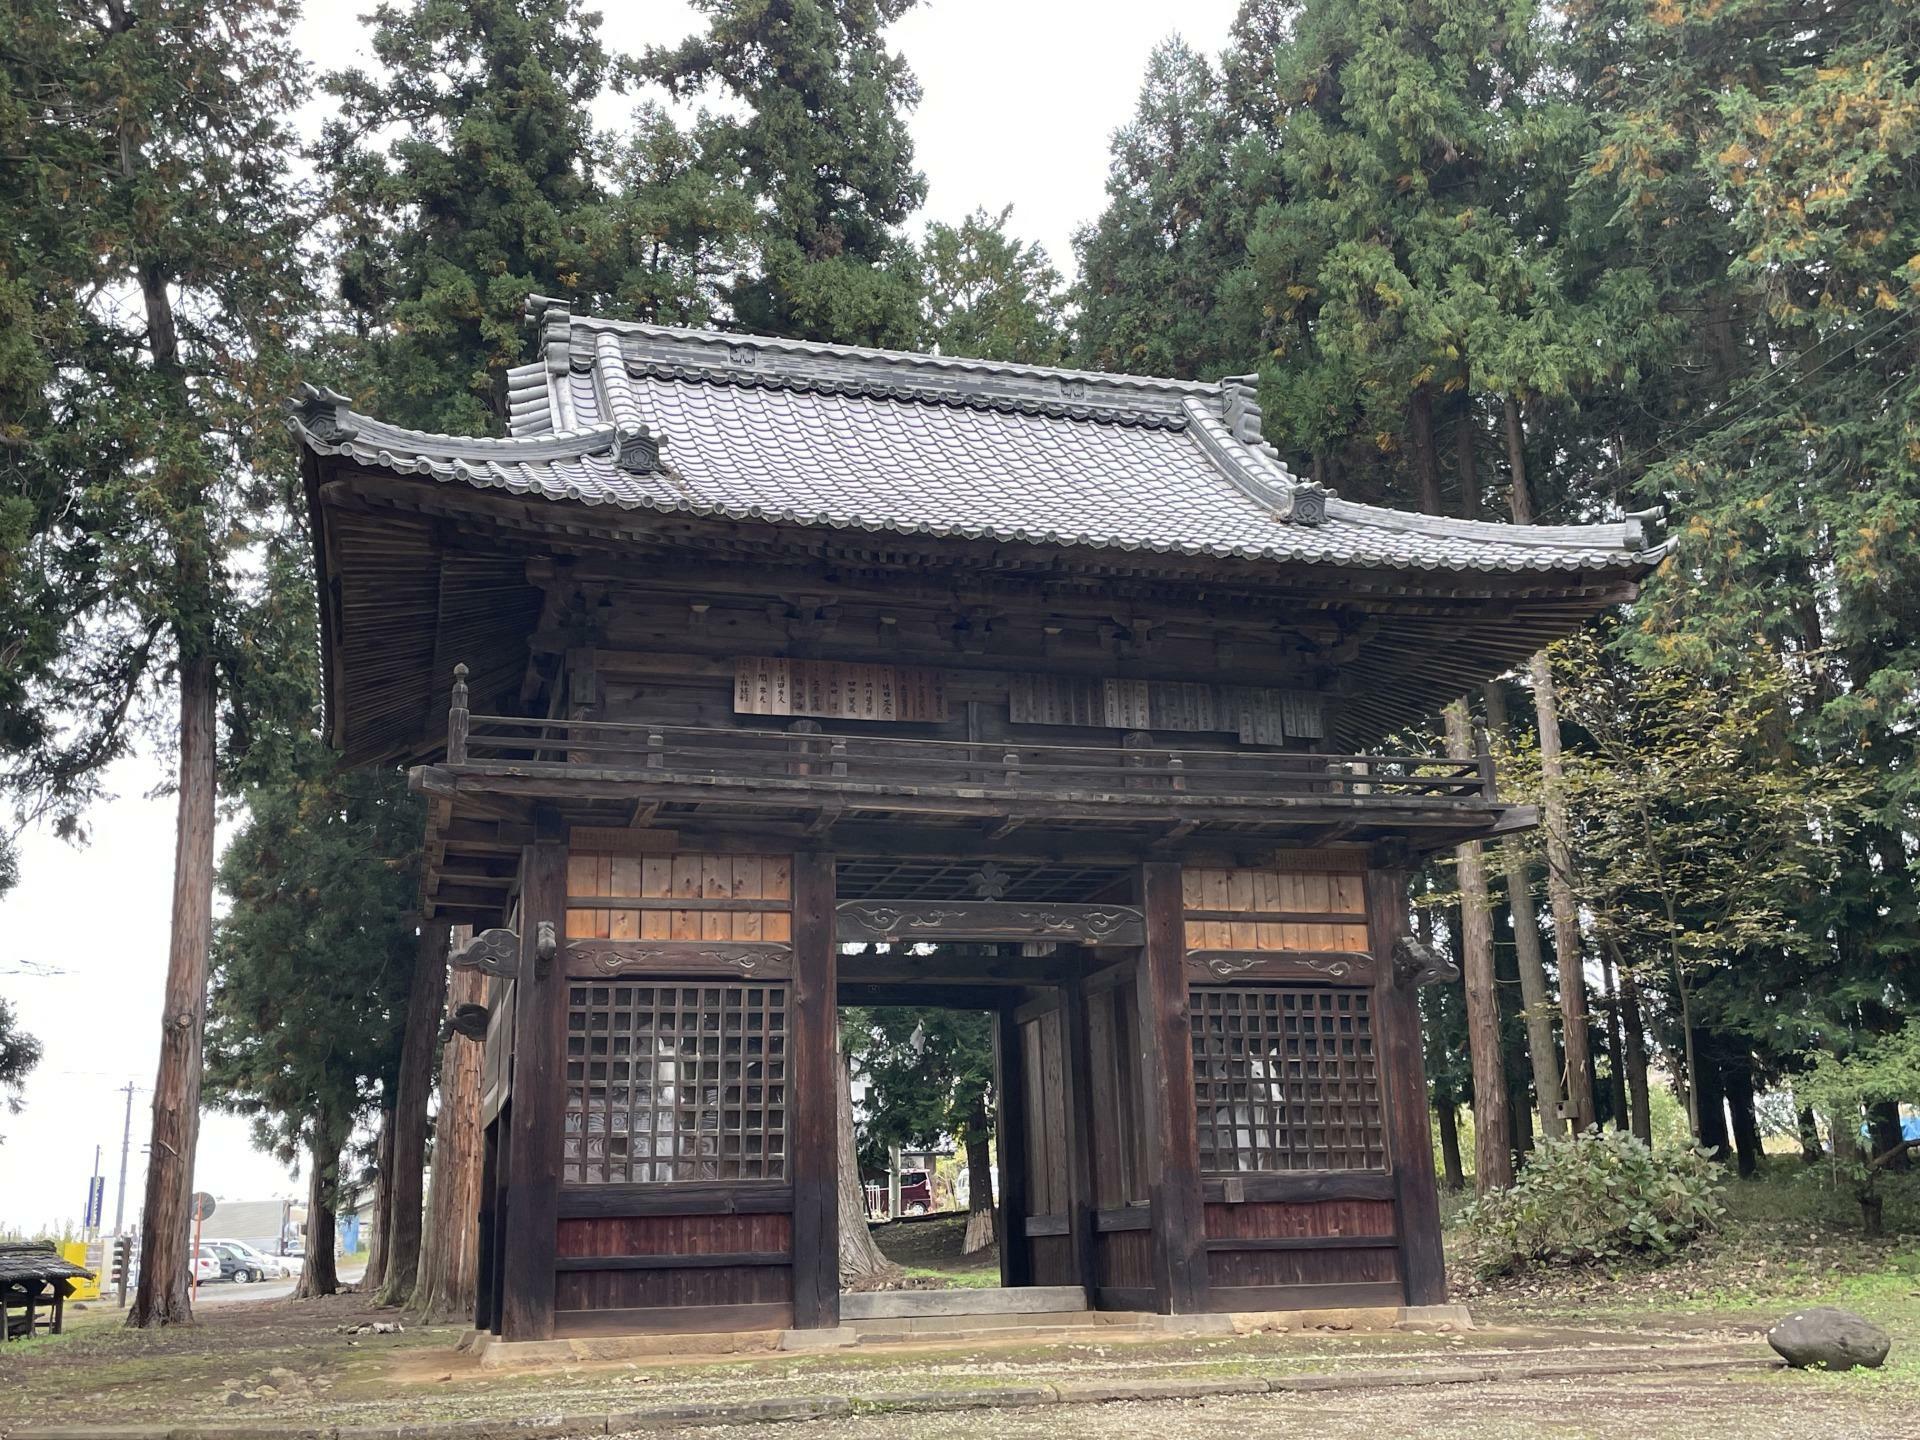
779, 430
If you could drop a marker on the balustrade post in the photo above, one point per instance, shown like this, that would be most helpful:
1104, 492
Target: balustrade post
1177, 768
1483, 757
837, 752
656, 749
1010, 767
458, 719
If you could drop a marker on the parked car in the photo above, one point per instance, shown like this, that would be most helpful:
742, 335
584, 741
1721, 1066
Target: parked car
207, 1267
916, 1193
244, 1264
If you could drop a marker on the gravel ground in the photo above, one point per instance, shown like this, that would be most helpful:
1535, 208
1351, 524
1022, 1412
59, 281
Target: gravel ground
1620, 1408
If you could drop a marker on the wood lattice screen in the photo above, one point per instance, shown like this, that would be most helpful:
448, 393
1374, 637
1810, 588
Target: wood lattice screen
673, 1082
1286, 1079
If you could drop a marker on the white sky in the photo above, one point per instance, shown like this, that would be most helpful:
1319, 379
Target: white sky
1020, 98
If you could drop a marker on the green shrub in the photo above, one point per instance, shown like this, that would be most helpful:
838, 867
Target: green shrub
1596, 1197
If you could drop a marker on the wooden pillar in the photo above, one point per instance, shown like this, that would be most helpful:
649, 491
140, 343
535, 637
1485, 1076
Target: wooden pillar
537, 1115
1076, 1041
1179, 1256
813, 1152
1010, 1143
1403, 1070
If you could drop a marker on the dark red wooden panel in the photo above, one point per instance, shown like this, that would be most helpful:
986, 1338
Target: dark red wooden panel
675, 1235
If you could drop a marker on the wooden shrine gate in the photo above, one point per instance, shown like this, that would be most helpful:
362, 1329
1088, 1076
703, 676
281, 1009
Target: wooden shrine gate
1195, 1083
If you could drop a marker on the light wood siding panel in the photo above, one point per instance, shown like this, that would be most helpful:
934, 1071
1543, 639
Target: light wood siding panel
1284, 910
752, 895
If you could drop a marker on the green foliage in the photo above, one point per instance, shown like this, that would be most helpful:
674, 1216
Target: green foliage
1596, 1196
441, 233
19, 1053
151, 289
988, 296
815, 123
314, 958
929, 1075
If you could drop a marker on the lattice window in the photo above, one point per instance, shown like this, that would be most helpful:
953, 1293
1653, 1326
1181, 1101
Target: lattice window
1286, 1079
675, 1082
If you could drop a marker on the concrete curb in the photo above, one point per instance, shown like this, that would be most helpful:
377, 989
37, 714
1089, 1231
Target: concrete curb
822, 1407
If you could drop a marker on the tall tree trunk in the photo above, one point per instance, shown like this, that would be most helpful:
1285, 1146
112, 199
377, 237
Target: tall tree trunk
1640, 1103
163, 1296
1709, 1098
1522, 1122
426, 999
1811, 1150
1426, 469
1492, 1137
319, 1274
1616, 1057
862, 1265
449, 1252
1566, 914
376, 1239
1536, 1000
1737, 1073
979, 1186
1463, 460
1883, 1126
1447, 1113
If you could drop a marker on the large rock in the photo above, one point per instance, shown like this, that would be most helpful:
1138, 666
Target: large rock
1833, 1338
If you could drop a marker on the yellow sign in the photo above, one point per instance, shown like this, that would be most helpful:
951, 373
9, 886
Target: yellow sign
74, 1252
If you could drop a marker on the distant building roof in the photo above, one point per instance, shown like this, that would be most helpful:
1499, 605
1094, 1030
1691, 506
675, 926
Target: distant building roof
648, 417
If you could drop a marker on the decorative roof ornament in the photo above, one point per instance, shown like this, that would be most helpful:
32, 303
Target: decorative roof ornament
318, 411
1308, 504
638, 452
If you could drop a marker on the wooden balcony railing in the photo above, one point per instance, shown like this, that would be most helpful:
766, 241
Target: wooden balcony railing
744, 756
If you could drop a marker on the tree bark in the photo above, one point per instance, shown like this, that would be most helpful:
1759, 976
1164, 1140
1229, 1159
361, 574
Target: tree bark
163, 1296
1566, 914
1883, 1126
1737, 1074
1811, 1150
1453, 1176
1492, 1137
319, 1274
1709, 1099
426, 999
449, 1252
1640, 1103
1463, 462
979, 1189
376, 1270
1425, 468
1616, 1058
1536, 1000
862, 1265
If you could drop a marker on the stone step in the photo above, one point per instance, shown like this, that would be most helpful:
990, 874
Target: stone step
997, 1300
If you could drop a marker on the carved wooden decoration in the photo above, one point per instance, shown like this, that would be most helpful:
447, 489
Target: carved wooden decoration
1217, 965
492, 952
1416, 964
682, 957
990, 920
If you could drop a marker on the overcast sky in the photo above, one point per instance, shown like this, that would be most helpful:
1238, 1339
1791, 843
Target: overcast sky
1020, 99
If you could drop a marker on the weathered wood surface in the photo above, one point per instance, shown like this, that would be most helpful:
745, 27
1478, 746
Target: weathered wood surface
539, 1076
814, 1081
1410, 1137
1178, 1267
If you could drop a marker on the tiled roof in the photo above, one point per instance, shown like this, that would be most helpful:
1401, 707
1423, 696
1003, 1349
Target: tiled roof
752, 428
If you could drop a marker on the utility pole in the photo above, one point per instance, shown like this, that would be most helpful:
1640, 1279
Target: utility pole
126, 1142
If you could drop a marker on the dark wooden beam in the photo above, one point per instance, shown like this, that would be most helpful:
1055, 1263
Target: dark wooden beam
1178, 1259
1010, 1141
813, 1148
1077, 1106
1410, 1137
539, 1080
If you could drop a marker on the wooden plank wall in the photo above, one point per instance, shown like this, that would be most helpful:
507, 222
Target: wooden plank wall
1050, 1173
1277, 1241
677, 1256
